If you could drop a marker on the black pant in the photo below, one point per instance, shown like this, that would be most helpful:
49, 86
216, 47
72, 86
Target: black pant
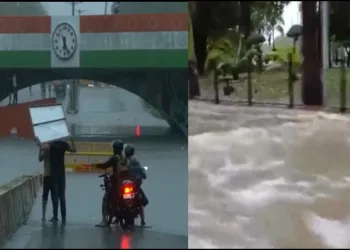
144, 198
14, 101
59, 195
47, 188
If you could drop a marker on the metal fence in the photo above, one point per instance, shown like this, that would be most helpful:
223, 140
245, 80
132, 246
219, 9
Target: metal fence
246, 92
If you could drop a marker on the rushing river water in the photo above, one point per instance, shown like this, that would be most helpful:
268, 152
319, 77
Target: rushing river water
262, 177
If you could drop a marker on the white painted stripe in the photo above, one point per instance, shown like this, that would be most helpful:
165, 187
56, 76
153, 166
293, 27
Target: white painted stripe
16, 42
134, 40
99, 41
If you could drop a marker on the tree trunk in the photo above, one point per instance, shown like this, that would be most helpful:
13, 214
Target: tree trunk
201, 26
273, 40
200, 48
312, 91
246, 18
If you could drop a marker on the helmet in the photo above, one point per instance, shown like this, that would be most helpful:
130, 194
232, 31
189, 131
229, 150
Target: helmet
117, 146
129, 150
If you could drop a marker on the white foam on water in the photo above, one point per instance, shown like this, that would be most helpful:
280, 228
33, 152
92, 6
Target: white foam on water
268, 184
333, 233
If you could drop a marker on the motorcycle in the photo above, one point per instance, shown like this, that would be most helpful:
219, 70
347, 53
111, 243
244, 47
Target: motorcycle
128, 197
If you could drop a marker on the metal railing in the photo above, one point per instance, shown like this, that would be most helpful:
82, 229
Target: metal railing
292, 99
84, 161
98, 148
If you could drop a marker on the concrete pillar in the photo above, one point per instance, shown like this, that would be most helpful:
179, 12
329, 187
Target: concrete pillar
43, 90
325, 45
73, 97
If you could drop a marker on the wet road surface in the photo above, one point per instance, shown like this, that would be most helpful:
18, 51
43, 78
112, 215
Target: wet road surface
104, 111
166, 215
268, 178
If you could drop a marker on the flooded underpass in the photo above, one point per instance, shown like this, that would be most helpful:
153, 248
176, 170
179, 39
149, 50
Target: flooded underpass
268, 178
165, 186
106, 114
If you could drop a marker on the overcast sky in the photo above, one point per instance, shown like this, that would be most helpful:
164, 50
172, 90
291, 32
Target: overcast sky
64, 8
97, 8
291, 15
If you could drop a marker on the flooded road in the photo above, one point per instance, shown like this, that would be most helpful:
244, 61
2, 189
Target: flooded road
104, 111
165, 186
268, 178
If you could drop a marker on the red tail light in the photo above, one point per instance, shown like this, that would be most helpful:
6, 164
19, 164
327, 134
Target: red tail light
128, 189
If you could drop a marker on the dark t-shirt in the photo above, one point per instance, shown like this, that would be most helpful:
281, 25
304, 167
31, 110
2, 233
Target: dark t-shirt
57, 151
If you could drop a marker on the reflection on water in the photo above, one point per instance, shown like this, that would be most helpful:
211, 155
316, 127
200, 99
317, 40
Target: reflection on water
125, 240
268, 178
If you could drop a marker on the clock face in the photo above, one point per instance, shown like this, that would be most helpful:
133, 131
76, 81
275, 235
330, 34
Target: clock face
64, 41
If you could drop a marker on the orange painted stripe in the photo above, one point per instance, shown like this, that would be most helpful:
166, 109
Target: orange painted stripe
28, 24
134, 23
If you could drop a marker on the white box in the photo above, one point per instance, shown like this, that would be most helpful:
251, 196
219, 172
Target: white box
49, 122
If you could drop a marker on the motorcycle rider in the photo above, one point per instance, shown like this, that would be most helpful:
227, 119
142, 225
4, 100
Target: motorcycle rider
139, 174
118, 163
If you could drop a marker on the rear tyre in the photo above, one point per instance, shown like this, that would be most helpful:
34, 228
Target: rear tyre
123, 222
110, 213
127, 222
106, 211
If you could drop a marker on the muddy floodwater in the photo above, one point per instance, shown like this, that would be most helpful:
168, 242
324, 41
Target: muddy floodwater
261, 177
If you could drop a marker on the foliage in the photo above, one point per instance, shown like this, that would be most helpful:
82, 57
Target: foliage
220, 52
213, 19
281, 55
222, 57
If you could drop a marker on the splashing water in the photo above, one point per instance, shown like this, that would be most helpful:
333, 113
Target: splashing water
262, 178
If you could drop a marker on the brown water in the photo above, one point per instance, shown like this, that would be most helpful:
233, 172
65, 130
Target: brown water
262, 177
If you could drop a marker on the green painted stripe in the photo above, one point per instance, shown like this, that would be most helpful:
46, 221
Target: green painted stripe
134, 59
25, 59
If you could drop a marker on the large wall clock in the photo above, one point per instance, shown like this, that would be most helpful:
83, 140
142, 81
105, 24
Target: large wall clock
64, 41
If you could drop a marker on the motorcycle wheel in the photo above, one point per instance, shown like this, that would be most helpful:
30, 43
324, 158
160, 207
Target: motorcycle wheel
127, 222
106, 210
110, 215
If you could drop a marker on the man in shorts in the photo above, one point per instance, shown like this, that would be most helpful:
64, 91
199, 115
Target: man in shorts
44, 155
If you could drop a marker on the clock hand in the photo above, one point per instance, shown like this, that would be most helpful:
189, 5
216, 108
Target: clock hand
67, 50
64, 42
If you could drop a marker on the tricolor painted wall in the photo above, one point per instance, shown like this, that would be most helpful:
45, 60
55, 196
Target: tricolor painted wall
125, 41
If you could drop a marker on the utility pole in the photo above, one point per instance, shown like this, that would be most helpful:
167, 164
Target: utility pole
106, 7
74, 5
73, 94
80, 11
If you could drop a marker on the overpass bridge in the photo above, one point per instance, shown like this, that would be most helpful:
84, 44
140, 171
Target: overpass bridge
145, 54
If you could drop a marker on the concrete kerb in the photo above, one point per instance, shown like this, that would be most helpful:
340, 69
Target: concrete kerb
16, 201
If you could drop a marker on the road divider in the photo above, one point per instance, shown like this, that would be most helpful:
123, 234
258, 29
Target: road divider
83, 162
16, 202
94, 147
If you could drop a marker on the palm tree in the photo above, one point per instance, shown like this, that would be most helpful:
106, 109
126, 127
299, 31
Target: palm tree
271, 27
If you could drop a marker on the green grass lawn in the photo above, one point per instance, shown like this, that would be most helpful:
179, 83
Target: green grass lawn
272, 86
